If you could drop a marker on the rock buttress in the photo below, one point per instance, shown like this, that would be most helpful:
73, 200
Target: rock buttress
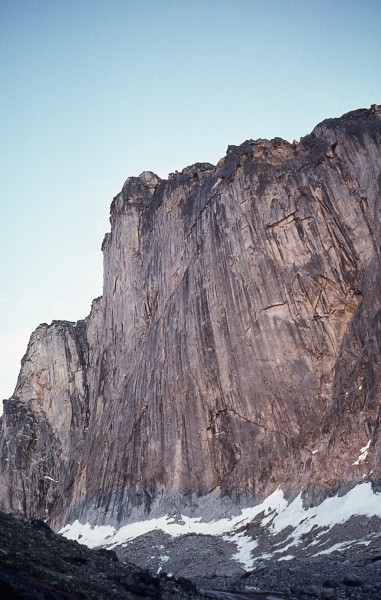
236, 346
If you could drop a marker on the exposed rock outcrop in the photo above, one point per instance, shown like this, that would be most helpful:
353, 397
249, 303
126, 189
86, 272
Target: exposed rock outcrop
236, 348
37, 564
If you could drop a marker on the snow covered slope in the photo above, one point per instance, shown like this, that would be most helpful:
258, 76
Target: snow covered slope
274, 529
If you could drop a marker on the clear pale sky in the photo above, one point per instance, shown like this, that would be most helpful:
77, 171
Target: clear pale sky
94, 91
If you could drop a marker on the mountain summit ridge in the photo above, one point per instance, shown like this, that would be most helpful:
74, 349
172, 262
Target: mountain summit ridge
234, 350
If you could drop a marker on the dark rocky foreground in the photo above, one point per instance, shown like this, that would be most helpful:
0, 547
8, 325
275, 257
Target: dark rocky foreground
37, 564
342, 576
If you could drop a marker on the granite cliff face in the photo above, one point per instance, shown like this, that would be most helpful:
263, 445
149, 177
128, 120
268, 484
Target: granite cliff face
236, 348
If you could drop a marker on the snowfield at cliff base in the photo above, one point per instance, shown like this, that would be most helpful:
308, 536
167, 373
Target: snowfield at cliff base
279, 514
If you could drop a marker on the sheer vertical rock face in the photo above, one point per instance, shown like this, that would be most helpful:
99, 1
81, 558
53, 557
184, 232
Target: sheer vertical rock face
236, 346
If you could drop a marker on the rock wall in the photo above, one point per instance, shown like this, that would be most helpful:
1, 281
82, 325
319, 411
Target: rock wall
236, 347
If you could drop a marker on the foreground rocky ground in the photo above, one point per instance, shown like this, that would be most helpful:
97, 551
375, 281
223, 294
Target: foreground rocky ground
342, 561
343, 576
347, 574
36, 564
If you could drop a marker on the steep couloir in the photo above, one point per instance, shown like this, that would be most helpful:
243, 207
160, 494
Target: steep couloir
236, 348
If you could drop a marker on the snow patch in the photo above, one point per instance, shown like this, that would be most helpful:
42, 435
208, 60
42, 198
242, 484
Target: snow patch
342, 545
51, 479
110, 537
363, 454
360, 500
279, 514
88, 535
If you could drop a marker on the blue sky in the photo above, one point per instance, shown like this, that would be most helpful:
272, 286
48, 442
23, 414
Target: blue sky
94, 91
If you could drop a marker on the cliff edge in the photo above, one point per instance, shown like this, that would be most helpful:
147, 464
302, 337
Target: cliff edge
236, 347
